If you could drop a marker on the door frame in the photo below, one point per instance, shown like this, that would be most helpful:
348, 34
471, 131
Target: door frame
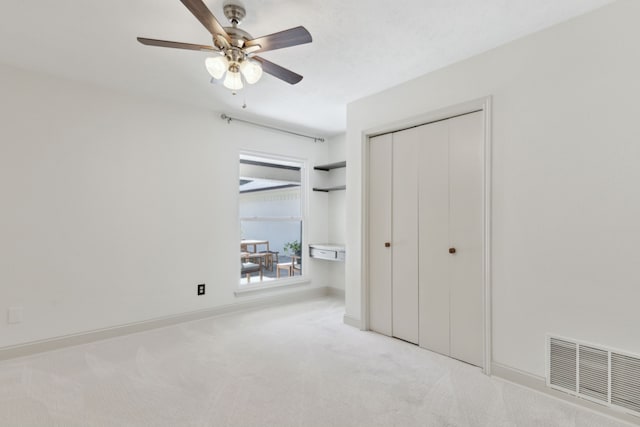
481, 104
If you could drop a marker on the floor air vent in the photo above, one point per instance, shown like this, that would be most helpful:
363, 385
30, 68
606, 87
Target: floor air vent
594, 373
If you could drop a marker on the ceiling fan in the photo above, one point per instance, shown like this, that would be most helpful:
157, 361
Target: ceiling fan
235, 49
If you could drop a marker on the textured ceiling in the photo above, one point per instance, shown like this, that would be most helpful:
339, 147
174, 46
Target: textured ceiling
360, 47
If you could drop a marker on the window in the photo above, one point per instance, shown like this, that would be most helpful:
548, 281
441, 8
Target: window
271, 219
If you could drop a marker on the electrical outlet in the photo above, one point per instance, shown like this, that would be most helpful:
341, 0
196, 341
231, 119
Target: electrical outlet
14, 315
201, 289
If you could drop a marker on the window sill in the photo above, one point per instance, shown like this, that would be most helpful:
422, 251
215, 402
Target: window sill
278, 284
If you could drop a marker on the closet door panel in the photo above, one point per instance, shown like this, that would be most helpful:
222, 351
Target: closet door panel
405, 241
433, 231
466, 161
380, 175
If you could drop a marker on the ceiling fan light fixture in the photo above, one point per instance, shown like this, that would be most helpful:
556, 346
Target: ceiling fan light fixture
251, 70
217, 66
233, 81
236, 45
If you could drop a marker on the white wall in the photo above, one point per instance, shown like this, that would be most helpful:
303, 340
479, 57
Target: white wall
114, 207
566, 198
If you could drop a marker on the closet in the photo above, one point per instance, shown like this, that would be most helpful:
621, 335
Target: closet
426, 236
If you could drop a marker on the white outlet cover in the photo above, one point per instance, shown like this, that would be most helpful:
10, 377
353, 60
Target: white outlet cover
14, 315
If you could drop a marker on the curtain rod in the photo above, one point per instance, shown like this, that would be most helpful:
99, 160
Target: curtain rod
230, 119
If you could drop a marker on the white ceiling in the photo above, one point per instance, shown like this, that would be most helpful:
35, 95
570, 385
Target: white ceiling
360, 47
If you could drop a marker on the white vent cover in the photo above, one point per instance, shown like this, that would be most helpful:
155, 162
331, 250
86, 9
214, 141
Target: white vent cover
625, 381
562, 360
595, 373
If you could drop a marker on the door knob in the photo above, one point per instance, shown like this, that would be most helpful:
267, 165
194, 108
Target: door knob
452, 250
387, 244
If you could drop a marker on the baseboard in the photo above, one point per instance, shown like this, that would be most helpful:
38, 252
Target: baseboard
351, 321
335, 292
536, 383
40, 346
517, 376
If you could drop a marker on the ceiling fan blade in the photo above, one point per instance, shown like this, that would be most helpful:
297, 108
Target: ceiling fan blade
206, 18
277, 71
176, 45
286, 38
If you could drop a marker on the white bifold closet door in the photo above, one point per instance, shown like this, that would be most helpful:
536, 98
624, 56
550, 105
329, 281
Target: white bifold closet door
433, 237
466, 216
451, 218
426, 199
404, 253
380, 178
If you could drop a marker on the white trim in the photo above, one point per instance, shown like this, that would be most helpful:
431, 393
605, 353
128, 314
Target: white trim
365, 302
257, 287
282, 160
487, 108
351, 321
56, 343
538, 384
547, 365
485, 105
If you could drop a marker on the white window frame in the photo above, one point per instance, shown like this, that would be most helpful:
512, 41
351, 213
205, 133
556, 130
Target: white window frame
304, 208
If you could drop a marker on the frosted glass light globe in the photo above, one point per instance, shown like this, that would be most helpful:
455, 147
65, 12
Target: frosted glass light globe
217, 66
233, 81
251, 70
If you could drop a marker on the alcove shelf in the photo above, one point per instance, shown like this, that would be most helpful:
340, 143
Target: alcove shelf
327, 168
330, 166
327, 189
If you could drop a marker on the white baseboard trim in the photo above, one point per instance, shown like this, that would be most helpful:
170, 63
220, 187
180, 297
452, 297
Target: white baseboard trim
536, 383
351, 321
264, 288
335, 292
40, 346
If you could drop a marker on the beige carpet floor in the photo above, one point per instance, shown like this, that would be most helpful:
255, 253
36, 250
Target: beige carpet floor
291, 365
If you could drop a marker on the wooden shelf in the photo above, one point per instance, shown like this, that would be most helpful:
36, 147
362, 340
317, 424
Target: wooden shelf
327, 189
330, 166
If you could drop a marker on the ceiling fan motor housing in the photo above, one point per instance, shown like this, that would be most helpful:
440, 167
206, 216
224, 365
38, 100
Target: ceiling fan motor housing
238, 36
